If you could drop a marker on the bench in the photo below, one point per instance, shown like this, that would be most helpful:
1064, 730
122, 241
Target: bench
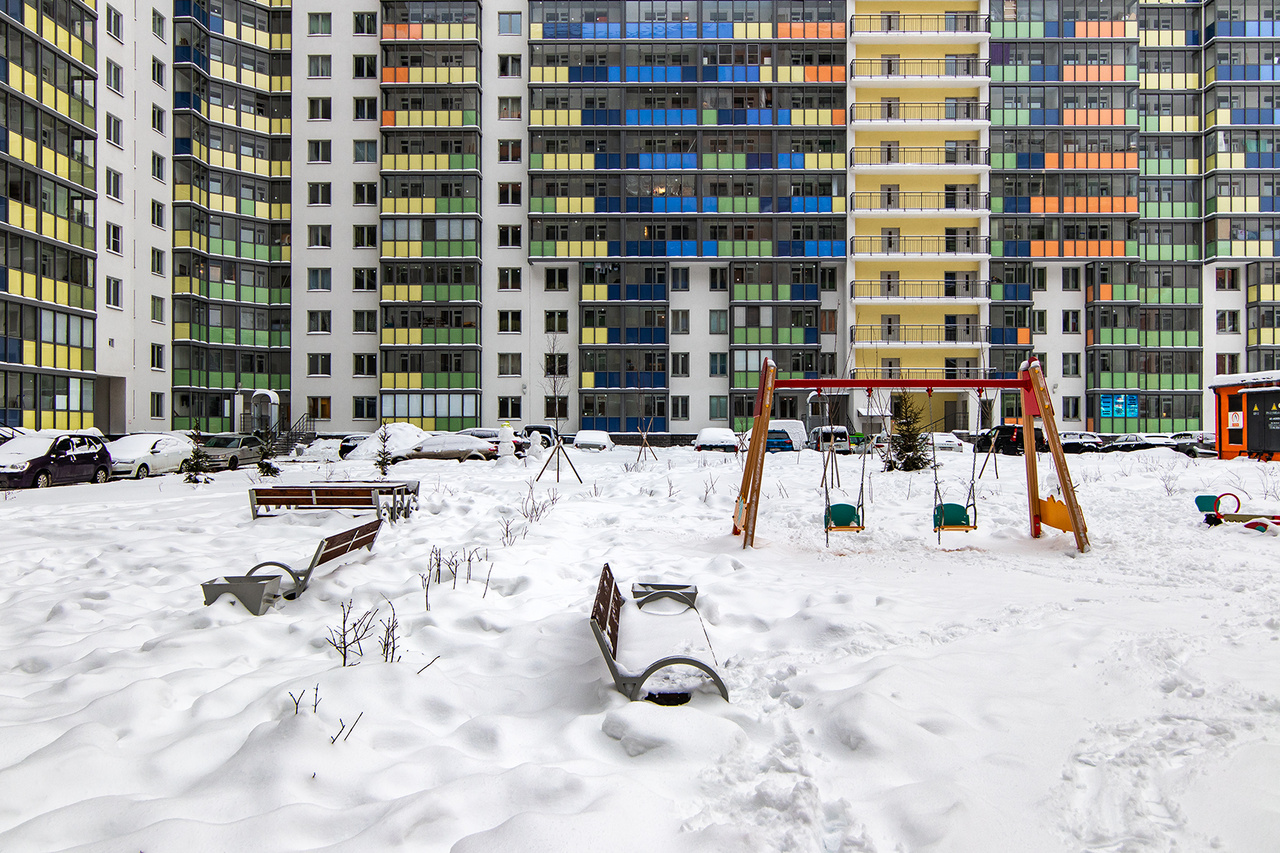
637, 663
258, 592
401, 494
364, 496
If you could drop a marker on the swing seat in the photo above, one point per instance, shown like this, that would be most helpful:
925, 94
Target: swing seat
843, 517
1207, 503
952, 517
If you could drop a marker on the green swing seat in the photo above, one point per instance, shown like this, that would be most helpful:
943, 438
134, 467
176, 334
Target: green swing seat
952, 517
843, 517
1207, 503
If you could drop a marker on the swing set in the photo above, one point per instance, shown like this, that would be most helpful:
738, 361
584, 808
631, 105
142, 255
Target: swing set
1064, 515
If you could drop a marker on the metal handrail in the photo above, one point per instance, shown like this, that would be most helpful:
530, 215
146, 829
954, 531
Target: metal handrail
920, 334
920, 245
973, 110
893, 22
875, 288
957, 200
876, 156
885, 67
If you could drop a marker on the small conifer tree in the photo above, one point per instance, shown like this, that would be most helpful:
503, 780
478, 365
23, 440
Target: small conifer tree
383, 461
266, 467
907, 444
199, 465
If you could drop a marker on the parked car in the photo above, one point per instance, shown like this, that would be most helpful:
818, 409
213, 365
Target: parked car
592, 439
716, 438
1007, 439
450, 446
43, 459
945, 442
8, 432
1196, 443
784, 435
1140, 441
231, 450
829, 437
143, 454
544, 433
350, 443
490, 434
1080, 442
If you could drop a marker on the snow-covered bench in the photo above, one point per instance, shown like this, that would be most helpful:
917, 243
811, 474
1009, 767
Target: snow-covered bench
651, 638
358, 497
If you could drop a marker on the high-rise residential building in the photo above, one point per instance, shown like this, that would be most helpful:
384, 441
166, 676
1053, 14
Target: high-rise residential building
226, 214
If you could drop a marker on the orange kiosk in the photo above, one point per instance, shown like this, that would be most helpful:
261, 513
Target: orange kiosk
1247, 414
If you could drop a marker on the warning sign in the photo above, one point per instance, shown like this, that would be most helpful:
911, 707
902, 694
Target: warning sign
1235, 420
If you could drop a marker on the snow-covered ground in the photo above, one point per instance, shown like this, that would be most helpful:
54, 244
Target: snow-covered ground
889, 693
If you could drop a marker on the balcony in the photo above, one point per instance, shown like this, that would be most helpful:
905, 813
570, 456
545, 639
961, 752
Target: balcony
890, 158
967, 25
917, 289
896, 333
962, 244
972, 112
896, 202
921, 71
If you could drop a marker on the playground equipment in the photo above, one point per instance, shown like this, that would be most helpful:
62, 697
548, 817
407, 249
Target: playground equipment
1211, 506
1064, 515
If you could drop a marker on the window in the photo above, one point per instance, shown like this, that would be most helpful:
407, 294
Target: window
679, 408
365, 109
319, 150
718, 408
364, 67
115, 240
509, 66
364, 237
718, 321
557, 322
115, 24
365, 24
1228, 322
508, 193
157, 24
320, 65
1071, 408
157, 404
679, 364
157, 118
320, 236
364, 364
1228, 362
508, 150
680, 278
509, 24
509, 408
319, 24
364, 408
509, 236
113, 179
1071, 364
115, 131
319, 364
1227, 279
157, 309
509, 321
319, 278
319, 109
1071, 279
719, 364
556, 364
364, 193
157, 71
680, 321
365, 150
1039, 322
157, 166
157, 356
719, 279
1071, 322
508, 278
319, 322
114, 77
509, 364
318, 408
320, 193
509, 107
364, 322
364, 278
112, 293
557, 278
157, 213
157, 261
827, 321
555, 408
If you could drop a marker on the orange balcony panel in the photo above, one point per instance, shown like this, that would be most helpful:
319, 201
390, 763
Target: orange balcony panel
1104, 291
811, 31
1088, 337
837, 73
1037, 204
838, 30
388, 118
1024, 336
1037, 248
1051, 204
811, 74
1051, 161
1130, 204
837, 117
824, 30
388, 75
1131, 160
1092, 161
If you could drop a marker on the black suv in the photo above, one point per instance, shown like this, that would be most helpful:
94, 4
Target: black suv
1008, 440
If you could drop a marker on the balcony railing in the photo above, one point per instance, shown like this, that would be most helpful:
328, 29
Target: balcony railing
896, 333
897, 156
924, 245
925, 373
947, 200
894, 67
894, 22
898, 111
917, 289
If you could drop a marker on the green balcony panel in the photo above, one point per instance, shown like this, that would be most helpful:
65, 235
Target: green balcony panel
535, 161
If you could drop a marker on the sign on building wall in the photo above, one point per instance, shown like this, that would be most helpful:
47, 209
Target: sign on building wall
1263, 412
1118, 406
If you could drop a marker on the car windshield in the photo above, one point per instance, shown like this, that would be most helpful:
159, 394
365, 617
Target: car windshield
222, 441
133, 444
26, 446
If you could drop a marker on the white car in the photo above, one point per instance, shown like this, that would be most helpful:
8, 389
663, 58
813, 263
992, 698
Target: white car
592, 439
716, 438
449, 446
946, 442
144, 454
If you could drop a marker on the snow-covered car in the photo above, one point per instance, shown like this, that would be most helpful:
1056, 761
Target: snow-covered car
716, 438
1140, 441
1080, 442
491, 434
350, 443
231, 450
43, 459
945, 442
592, 439
829, 438
1196, 443
143, 454
544, 433
449, 446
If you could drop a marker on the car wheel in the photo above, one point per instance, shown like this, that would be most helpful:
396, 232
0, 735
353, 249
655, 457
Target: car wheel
42, 480
544, 440
233, 463
100, 475
142, 472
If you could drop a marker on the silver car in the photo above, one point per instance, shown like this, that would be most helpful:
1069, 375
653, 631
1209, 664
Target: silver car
230, 450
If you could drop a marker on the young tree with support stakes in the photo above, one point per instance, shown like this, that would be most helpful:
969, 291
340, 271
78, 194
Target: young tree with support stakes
556, 382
